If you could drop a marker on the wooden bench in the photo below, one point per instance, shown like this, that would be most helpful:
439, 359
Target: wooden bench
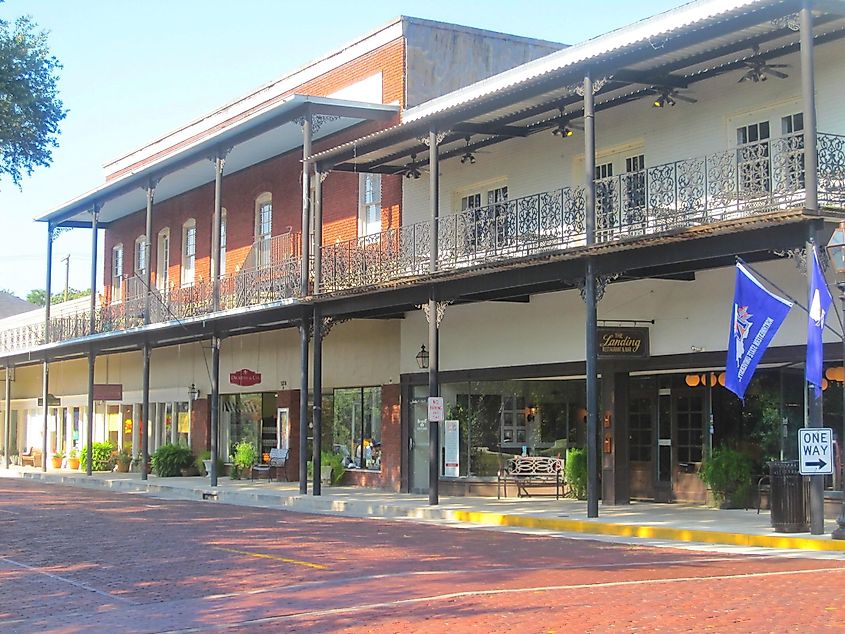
531, 471
31, 457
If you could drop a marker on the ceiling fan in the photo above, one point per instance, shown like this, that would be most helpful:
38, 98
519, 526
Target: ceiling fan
468, 156
411, 170
759, 69
565, 126
666, 96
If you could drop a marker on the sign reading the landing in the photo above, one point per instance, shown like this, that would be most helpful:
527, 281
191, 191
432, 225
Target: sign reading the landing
245, 378
615, 343
815, 451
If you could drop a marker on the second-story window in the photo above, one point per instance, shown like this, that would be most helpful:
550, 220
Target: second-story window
792, 145
369, 204
117, 273
163, 261
752, 158
223, 242
263, 228
189, 252
140, 267
492, 225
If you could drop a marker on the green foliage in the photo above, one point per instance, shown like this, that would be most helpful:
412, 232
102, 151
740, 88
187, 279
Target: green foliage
335, 461
168, 460
124, 458
200, 464
73, 454
36, 296
728, 474
244, 457
30, 108
101, 456
59, 454
576, 473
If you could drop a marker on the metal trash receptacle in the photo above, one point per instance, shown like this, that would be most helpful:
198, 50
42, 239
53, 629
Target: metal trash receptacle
789, 497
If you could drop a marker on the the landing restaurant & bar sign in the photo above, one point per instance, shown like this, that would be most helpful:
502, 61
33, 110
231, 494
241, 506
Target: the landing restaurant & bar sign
623, 343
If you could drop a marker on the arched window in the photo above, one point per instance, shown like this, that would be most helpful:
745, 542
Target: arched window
263, 228
189, 252
117, 273
163, 260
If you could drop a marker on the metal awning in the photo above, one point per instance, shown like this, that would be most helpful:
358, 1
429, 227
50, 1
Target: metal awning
672, 50
263, 135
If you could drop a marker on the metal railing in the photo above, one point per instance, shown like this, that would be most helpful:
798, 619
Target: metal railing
750, 179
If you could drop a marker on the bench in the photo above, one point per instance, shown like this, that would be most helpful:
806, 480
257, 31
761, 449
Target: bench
531, 471
31, 457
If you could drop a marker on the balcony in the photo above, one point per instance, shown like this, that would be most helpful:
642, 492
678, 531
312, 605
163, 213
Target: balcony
739, 182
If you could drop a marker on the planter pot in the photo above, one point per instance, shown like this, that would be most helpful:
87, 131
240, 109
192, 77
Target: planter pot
56, 462
188, 472
207, 465
326, 474
121, 467
73, 463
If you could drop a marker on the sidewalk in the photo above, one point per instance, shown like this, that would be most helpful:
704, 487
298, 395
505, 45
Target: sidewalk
672, 522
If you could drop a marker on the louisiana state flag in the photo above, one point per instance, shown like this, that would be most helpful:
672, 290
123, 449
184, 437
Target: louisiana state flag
756, 316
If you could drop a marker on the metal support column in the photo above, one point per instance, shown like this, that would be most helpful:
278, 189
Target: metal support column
215, 407
433, 332
303, 327
7, 417
92, 326
144, 454
46, 370
136, 433
808, 98
318, 401
590, 300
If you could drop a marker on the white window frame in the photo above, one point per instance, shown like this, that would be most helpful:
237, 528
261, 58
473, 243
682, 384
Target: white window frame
163, 259
482, 194
263, 230
189, 252
141, 248
369, 204
117, 273
223, 241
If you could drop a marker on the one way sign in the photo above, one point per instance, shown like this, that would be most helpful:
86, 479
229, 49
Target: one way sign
815, 451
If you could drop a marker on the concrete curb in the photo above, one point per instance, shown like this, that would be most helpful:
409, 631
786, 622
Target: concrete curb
363, 509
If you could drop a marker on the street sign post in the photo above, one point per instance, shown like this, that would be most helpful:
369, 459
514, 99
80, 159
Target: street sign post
815, 451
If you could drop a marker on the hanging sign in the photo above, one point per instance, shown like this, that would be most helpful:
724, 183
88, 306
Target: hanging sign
452, 457
245, 378
616, 343
108, 391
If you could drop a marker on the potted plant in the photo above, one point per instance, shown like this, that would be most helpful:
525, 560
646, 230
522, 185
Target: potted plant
73, 460
575, 473
243, 459
727, 473
203, 464
56, 460
122, 461
331, 467
101, 456
169, 460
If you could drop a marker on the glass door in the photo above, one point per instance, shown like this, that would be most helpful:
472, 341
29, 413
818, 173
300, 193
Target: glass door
418, 419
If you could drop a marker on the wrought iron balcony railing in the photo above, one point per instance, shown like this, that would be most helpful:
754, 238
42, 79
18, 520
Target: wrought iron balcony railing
750, 179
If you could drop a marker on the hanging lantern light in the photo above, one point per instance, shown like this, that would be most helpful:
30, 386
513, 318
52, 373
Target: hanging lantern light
422, 358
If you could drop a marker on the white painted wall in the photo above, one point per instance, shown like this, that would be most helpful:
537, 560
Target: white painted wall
550, 329
544, 162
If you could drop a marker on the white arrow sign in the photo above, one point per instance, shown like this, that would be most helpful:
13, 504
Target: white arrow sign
815, 451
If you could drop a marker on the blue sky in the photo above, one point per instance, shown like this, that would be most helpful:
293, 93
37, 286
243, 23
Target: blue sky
135, 70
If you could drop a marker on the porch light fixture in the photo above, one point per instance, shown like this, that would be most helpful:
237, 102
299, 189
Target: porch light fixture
193, 392
468, 156
422, 358
836, 252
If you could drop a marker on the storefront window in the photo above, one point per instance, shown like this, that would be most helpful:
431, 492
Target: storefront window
356, 416
499, 419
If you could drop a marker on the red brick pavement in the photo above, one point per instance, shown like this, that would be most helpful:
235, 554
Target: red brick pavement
76, 560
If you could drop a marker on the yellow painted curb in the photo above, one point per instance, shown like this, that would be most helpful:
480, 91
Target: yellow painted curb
648, 532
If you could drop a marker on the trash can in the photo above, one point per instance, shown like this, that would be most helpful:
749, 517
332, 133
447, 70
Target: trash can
788, 498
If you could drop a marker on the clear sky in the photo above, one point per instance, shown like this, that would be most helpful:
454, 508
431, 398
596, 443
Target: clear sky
136, 70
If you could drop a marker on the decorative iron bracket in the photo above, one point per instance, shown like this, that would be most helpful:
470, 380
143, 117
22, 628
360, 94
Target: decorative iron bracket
799, 256
426, 140
791, 22
441, 311
601, 284
327, 323
598, 84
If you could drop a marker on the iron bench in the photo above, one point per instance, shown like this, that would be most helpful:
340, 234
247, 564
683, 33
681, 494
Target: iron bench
531, 471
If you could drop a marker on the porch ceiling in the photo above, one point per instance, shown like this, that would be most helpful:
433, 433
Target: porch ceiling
677, 48
263, 135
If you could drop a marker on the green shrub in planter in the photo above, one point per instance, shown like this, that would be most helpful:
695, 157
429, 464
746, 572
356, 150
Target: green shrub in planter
575, 473
728, 474
335, 461
101, 456
199, 463
168, 460
242, 460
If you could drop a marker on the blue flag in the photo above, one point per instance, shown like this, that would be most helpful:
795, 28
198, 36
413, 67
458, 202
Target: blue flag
819, 303
757, 315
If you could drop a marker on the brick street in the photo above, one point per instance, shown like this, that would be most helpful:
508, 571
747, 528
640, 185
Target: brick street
75, 560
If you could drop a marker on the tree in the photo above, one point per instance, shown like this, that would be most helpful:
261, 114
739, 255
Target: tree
36, 296
30, 109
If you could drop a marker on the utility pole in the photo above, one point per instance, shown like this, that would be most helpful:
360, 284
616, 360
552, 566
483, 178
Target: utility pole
66, 260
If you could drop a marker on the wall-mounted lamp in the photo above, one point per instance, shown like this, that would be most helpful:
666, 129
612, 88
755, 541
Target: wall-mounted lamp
422, 358
193, 392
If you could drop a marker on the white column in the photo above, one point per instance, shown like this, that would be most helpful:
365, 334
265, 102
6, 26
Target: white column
190, 418
174, 422
69, 428
136, 429
159, 422
120, 427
